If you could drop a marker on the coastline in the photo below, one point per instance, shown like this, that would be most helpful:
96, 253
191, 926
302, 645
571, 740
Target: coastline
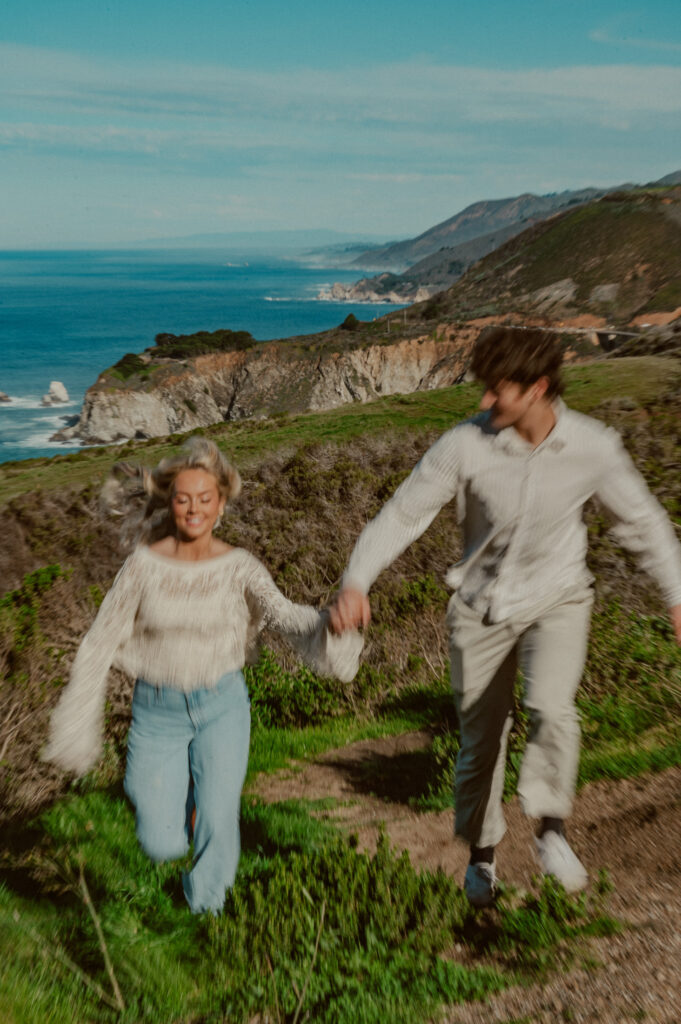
69, 315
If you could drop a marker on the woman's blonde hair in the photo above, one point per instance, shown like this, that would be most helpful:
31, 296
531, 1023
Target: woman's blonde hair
141, 496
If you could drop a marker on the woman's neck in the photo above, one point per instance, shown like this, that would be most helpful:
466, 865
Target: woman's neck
191, 550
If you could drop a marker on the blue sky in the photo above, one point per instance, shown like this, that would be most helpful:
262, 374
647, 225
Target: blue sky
128, 120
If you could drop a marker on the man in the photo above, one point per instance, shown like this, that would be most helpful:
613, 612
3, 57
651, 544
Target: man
521, 472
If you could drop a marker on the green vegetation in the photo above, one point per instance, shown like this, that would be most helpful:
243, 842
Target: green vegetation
248, 441
130, 365
667, 298
627, 239
184, 346
313, 929
19, 608
629, 702
314, 926
351, 323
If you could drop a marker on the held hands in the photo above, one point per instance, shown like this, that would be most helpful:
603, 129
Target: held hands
350, 610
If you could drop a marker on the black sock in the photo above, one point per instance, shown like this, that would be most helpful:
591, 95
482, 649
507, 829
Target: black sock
482, 855
551, 825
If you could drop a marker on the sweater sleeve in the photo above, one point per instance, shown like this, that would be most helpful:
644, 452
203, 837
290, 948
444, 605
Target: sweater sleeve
432, 484
75, 735
642, 525
305, 629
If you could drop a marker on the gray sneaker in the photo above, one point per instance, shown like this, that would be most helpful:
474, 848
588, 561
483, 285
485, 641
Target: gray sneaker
558, 859
480, 884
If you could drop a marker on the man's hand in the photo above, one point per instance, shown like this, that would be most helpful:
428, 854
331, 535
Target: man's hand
675, 616
351, 609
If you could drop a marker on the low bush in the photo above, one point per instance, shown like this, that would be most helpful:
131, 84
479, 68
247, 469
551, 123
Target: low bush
313, 929
129, 365
184, 346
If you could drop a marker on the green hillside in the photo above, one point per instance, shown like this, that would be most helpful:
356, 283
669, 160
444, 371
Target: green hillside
622, 254
314, 929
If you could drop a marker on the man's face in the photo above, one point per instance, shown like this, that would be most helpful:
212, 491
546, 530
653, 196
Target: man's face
508, 402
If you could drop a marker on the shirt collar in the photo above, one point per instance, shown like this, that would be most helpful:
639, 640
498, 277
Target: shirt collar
510, 440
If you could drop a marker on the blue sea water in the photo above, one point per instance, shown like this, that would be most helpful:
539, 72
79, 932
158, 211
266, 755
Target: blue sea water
68, 315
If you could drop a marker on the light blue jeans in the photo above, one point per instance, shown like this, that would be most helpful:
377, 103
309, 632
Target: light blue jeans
186, 751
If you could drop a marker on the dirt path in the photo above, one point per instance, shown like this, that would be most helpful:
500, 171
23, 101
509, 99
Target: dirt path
632, 828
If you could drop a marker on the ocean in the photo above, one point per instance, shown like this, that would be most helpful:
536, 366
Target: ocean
66, 316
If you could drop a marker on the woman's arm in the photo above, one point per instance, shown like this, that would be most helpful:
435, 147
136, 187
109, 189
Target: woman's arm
305, 629
75, 739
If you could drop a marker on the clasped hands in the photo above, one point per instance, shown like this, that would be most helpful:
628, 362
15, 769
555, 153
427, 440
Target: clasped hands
349, 610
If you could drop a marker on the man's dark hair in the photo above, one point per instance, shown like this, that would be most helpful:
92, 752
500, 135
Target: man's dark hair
519, 354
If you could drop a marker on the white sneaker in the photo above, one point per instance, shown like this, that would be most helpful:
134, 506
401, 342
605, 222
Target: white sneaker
558, 859
480, 884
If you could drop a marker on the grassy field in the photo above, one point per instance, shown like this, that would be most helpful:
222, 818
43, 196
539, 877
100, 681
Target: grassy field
248, 442
314, 929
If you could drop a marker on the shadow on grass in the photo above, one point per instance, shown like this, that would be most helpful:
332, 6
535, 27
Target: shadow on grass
400, 778
435, 703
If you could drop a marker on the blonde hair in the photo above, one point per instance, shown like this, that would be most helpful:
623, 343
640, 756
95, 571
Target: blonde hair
141, 496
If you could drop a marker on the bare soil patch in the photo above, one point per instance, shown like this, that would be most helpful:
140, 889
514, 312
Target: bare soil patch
632, 828
657, 319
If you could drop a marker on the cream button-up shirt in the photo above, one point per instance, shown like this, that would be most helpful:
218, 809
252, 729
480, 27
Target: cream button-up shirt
521, 513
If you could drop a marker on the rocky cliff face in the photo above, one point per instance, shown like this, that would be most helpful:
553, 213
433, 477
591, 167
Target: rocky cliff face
267, 379
386, 287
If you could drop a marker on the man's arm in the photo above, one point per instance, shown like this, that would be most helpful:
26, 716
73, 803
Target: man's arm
643, 526
432, 483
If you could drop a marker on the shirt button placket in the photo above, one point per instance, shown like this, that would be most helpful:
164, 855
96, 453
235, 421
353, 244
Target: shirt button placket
507, 567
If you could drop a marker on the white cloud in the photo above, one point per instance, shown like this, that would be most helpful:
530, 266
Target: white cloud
394, 96
604, 35
313, 145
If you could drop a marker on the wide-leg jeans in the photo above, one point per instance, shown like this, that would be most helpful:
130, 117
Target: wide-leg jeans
189, 751
550, 651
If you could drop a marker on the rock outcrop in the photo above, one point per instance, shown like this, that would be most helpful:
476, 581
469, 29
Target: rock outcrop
57, 395
389, 288
267, 379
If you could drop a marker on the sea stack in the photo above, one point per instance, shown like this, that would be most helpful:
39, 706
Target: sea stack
56, 395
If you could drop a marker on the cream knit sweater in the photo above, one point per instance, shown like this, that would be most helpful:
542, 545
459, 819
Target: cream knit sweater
183, 625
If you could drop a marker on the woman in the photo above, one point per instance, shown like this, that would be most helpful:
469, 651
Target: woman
181, 616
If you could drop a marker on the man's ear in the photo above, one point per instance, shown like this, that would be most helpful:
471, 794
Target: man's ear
540, 387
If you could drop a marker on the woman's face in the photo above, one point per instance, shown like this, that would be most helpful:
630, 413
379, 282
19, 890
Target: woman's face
195, 504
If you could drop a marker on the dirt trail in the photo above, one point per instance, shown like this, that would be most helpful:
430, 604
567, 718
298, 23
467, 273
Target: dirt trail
632, 828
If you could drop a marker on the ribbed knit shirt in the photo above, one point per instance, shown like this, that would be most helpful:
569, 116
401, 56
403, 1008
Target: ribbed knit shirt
521, 514
183, 625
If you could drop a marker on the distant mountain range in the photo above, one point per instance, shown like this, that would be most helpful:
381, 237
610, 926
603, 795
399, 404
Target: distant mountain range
482, 218
291, 242
416, 268
615, 260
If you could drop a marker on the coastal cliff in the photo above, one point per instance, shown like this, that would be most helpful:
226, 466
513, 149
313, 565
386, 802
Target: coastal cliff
265, 379
573, 273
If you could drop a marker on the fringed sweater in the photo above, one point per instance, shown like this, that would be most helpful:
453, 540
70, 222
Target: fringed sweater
183, 625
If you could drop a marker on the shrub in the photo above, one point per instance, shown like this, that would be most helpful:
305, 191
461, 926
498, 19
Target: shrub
351, 323
184, 346
129, 365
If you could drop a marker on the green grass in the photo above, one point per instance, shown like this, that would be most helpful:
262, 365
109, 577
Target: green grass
248, 441
313, 926
630, 703
275, 748
313, 929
